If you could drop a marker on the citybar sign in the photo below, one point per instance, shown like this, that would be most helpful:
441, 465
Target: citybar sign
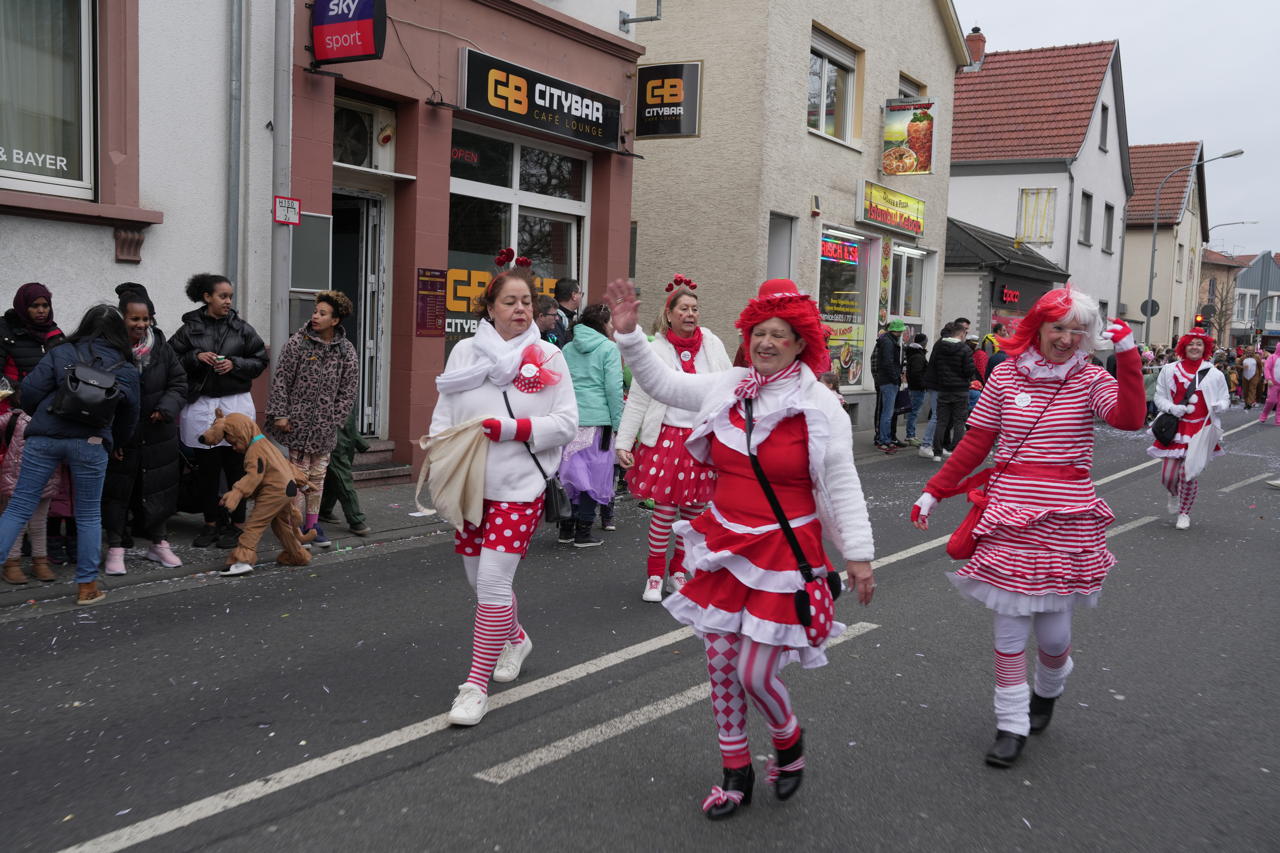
891, 209
521, 96
347, 30
669, 96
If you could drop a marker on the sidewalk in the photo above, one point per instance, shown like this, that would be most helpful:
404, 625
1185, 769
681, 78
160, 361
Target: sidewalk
387, 509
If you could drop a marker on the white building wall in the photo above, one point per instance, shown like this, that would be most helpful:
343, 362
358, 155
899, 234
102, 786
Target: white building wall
182, 141
603, 15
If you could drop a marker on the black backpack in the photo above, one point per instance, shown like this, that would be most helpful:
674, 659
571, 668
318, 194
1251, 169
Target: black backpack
88, 394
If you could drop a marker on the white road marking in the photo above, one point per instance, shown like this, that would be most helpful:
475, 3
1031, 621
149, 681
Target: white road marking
1130, 525
909, 552
1238, 485
257, 789
563, 748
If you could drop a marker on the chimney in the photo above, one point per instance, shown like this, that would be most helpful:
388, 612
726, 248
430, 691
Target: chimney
977, 44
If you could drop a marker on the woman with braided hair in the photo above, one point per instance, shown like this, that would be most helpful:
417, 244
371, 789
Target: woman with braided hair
652, 435
741, 598
1039, 548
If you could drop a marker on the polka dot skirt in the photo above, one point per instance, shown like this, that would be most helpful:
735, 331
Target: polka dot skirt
507, 526
668, 474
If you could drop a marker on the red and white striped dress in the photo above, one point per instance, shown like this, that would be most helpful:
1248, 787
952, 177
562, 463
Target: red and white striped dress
1041, 543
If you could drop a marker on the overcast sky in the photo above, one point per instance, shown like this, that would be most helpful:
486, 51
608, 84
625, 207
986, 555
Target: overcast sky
1192, 71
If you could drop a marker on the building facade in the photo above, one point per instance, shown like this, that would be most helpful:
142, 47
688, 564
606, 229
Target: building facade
1041, 153
802, 166
1257, 310
1217, 297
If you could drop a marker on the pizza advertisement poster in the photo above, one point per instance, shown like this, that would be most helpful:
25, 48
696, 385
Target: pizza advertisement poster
908, 137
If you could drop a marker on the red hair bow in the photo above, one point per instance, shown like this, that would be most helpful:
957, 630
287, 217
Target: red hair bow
504, 257
532, 376
681, 281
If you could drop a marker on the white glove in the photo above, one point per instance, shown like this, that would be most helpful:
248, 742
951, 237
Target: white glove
1178, 410
926, 503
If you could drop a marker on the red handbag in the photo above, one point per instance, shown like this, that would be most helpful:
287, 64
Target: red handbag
962, 543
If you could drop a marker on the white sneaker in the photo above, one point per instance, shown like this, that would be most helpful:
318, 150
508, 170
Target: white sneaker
652, 589
1174, 504
114, 564
926, 451
676, 581
469, 706
236, 569
1183, 522
511, 659
946, 454
937, 459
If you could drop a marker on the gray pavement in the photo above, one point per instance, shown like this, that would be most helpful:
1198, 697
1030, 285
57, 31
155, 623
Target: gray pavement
129, 717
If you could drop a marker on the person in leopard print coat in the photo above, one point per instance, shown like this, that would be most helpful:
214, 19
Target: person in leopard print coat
312, 391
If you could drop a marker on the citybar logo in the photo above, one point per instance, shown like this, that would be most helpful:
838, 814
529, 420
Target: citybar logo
508, 91
669, 90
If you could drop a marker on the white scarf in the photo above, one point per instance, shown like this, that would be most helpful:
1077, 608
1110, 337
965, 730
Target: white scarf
495, 360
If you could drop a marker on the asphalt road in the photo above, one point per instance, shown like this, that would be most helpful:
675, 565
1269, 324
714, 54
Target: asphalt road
303, 710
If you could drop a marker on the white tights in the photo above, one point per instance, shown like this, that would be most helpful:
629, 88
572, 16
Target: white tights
1053, 664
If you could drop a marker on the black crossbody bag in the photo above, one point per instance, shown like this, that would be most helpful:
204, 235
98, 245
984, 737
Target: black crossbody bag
556, 506
1165, 426
817, 598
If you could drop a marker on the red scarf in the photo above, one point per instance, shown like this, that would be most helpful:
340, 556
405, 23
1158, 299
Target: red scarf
686, 348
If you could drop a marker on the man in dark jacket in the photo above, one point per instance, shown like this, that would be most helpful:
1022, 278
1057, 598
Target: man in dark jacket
917, 363
949, 373
569, 297
888, 378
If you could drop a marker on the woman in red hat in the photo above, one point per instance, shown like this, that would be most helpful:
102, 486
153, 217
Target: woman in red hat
1039, 548
1196, 408
741, 597
652, 436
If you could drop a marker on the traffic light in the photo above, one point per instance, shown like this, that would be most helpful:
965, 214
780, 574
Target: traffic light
1199, 319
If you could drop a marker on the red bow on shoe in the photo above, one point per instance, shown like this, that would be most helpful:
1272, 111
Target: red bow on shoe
773, 771
719, 796
532, 376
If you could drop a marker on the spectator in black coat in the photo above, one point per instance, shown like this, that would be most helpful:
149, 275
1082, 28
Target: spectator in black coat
887, 372
568, 297
143, 472
949, 373
917, 362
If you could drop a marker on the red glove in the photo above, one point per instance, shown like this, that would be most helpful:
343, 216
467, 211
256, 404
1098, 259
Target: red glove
969, 454
1121, 336
1130, 410
507, 429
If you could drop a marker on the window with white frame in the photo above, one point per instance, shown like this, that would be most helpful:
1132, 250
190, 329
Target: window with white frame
1086, 217
1246, 307
46, 97
1108, 227
906, 283
833, 68
1035, 215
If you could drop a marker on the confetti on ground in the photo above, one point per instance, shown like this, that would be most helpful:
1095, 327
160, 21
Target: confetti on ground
1027, 822
421, 514
123, 812
326, 689
67, 818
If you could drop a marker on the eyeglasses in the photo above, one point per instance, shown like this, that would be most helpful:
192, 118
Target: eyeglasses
1064, 330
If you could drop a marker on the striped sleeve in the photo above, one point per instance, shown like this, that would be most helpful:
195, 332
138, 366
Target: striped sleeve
1103, 394
986, 415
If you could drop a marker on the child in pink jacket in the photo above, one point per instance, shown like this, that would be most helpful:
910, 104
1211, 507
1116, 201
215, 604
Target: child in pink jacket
13, 427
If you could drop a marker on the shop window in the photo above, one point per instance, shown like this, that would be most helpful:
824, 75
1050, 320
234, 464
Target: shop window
842, 301
1035, 215
549, 173
46, 97
906, 279
1108, 227
1086, 218
832, 77
481, 159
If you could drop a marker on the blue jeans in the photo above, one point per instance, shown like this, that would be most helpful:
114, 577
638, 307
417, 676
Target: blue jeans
932, 397
41, 455
973, 398
917, 398
888, 399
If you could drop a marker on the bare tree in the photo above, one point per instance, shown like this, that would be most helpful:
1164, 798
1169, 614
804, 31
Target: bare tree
1222, 309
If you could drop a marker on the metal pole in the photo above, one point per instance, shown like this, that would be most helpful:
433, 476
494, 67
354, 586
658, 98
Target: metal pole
282, 135
232, 262
1151, 275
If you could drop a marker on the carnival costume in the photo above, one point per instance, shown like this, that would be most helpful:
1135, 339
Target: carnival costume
484, 375
664, 471
1040, 543
1199, 429
740, 598
1271, 373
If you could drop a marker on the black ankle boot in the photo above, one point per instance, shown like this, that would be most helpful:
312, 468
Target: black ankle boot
718, 806
582, 537
787, 782
1006, 749
1041, 712
566, 531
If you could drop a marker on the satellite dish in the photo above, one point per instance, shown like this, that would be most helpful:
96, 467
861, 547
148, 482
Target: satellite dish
352, 136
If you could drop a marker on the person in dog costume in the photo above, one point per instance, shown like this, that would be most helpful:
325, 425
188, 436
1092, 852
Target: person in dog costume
272, 481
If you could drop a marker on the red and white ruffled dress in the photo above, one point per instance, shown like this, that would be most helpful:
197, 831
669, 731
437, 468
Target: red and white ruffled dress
743, 571
1178, 376
1041, 543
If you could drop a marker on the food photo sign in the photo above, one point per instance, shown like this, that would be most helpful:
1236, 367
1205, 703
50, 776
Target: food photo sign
908, 137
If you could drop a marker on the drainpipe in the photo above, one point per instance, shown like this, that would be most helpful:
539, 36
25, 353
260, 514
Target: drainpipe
1071, 209
282, 134
232, 262
1124, 219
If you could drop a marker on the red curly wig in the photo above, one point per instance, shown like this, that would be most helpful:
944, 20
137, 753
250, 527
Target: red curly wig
1196, 334
1055, 306
779, 297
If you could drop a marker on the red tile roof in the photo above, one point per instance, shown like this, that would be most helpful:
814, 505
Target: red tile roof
1219, 258
1150, 165
1028, 104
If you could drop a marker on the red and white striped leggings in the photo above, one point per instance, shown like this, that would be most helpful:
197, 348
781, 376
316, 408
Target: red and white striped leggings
1173, 478
660, 521
740, 668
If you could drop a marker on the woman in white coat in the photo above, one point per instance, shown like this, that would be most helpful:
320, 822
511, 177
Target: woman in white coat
505, 364
660, 469
1199, 429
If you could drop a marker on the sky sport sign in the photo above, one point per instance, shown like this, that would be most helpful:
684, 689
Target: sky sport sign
521, 96
347, 30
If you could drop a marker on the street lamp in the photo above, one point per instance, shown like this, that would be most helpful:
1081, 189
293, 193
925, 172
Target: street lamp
1155, 225
1238, 222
